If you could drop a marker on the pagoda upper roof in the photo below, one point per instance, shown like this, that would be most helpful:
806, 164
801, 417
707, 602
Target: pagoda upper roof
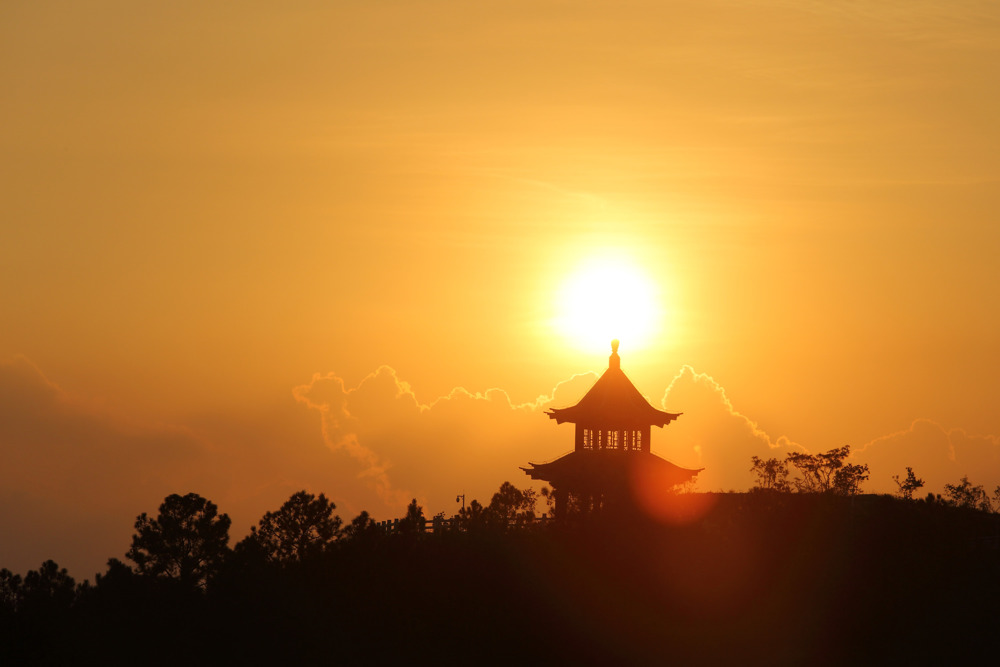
613, 403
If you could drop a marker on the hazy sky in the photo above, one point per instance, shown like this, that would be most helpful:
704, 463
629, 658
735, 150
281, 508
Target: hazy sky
219, 219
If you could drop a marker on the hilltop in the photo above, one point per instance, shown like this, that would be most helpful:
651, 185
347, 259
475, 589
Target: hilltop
758, 578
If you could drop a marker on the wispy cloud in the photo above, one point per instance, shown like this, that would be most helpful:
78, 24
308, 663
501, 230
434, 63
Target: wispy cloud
76, 475
938, 454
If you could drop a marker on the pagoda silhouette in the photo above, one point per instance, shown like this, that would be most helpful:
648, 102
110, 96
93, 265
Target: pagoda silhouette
612, 447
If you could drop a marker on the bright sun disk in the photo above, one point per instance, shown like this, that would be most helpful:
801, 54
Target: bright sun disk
607, 300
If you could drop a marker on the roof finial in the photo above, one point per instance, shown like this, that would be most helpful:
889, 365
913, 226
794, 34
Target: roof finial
614, 361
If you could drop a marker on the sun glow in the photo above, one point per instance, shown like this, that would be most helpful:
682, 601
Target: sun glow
607, 299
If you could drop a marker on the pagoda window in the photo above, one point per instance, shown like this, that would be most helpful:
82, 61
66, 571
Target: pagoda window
588, 438
613, 440
638, 441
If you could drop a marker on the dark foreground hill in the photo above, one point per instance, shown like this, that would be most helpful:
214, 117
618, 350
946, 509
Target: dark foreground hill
759, 578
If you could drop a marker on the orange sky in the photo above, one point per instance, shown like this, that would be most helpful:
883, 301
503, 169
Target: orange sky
205, 205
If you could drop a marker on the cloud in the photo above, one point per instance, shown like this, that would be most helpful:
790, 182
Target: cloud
469, 442
462, 443
712, 434
338, 422
938, 455
76, 474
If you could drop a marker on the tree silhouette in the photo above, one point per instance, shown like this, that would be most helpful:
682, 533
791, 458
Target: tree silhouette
414, 521
362, 527
48, 588
186, 542
550, 499
967, 495
473, 517
827, 472
385, 601
10, 592
304, 526
119, 576
512, 506
908, 485
772, 474
847, 480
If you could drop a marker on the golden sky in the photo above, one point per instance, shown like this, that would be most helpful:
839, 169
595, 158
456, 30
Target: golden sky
219, 219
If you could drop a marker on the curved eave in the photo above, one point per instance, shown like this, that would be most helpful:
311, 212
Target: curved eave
608, 469
613, 402
612, 420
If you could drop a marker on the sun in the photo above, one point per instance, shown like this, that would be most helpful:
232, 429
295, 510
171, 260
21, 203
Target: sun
606, 299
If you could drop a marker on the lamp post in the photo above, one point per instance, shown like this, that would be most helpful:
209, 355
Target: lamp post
461, 497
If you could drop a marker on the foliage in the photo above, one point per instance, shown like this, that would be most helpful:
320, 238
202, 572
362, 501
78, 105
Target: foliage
473, 517
304, 526
511, 506
10, 591
438, 522
414, 521
772, 474
119, 575
187, 541
47, 588
908, 485
550, 499
626, 572
362, 527
966, 495
817, 470
826, 472
847, 480
566, 505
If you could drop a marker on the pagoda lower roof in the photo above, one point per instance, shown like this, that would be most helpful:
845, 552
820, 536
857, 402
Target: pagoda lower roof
608, 469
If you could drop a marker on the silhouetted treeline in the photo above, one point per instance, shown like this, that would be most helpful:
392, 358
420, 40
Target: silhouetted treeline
758, 578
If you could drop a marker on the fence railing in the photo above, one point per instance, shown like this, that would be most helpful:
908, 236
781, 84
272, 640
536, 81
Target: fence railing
435, 524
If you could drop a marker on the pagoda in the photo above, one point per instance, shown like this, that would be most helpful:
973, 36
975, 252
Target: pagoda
613, 423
